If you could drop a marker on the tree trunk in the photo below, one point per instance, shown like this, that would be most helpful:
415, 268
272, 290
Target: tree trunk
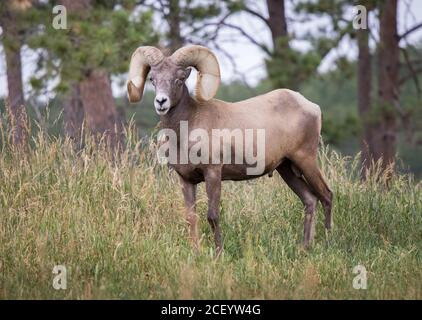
12, 47
73, 114
283, 65
92, 97
385, 137
173, 20
277, 23
72, 103
100, 110
364, 97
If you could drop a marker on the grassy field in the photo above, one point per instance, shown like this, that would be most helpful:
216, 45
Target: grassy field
120, 232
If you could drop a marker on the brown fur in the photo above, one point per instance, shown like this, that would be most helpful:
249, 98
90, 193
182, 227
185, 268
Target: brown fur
292, 137
292, 129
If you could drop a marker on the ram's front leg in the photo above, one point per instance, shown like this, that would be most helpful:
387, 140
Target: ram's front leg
213, 187
189, 194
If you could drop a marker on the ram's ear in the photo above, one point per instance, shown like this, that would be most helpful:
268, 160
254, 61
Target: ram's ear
187, 72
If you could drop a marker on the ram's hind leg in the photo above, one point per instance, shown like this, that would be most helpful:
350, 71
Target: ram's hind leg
309, 168
302, 190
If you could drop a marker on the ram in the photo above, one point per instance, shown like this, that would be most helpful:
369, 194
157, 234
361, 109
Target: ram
291, 123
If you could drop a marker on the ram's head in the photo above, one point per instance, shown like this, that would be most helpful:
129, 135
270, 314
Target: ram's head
168, 74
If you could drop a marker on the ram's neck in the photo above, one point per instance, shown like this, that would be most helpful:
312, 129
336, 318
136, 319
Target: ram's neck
183, 111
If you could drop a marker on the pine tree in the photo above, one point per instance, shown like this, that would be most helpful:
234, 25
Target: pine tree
98, 43
11, 21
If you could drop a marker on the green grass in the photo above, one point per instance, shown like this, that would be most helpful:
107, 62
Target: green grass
120, 231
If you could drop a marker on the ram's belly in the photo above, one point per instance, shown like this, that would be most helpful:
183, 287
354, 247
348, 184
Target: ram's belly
234, 172
239, 158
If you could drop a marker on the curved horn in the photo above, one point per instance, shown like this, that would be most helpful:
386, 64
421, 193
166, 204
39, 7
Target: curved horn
203, 60
140, 63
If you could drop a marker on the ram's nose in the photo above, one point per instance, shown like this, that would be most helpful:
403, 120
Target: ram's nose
162, 104
161, 100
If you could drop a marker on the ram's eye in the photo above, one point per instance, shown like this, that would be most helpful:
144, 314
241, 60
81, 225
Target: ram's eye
152, 80
179, 82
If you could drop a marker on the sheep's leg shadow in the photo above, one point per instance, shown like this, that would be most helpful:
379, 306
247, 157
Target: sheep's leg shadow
303, 191
189, 194
213, 187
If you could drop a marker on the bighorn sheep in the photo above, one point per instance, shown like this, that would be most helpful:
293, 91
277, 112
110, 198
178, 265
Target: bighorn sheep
292, 127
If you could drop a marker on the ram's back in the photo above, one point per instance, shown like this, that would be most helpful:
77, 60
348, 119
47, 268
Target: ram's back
287, 117
291, 122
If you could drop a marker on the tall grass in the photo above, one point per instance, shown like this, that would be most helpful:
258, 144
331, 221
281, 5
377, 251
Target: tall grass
118, 226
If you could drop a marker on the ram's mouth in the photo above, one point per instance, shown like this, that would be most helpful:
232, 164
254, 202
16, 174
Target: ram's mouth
162, 111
